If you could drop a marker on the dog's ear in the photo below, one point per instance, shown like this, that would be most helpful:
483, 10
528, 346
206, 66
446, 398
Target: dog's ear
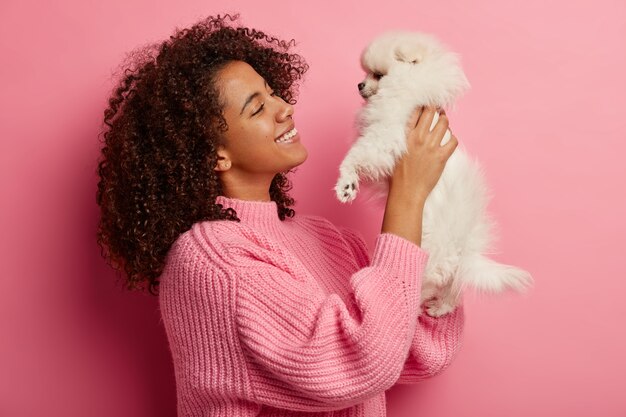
407, 53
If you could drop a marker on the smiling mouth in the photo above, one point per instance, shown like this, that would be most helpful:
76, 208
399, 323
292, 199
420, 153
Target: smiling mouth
287, 137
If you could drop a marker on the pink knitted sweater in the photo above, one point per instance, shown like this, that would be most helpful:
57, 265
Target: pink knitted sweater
291, 318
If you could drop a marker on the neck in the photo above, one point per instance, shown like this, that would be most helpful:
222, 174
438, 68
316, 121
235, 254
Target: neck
244, 187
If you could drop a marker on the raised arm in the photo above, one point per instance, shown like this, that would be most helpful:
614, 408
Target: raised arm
306, 351
436, 341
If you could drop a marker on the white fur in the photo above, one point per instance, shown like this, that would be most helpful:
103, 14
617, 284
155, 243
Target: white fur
406, 70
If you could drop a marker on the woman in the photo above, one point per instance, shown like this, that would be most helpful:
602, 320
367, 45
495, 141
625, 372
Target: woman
266, 312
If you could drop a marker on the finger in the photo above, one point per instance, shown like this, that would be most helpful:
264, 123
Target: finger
415, 115
439, 131
451, 145
425, 120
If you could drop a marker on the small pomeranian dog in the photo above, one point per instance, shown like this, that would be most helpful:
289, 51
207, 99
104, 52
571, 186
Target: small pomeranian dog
406, 70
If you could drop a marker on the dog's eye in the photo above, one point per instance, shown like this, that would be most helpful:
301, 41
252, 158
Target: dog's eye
377, 76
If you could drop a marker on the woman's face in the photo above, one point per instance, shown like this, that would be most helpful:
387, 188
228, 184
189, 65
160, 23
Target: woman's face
256, 117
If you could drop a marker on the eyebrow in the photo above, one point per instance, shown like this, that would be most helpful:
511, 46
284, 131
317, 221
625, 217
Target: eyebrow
249, 99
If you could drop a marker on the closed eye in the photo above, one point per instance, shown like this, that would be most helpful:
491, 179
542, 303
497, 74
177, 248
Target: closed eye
260, 109
273, 93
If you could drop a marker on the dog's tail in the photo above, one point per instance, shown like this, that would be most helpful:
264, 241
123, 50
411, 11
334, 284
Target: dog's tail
488, 276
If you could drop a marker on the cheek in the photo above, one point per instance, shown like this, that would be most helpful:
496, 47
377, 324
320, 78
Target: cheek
253, 141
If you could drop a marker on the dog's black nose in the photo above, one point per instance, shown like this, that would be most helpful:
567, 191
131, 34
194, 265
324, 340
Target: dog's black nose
361, 86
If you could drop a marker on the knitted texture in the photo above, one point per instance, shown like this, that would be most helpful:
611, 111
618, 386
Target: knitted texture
292, 318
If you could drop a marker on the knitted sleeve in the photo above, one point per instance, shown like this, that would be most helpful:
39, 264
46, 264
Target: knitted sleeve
436, 341
435, 345
306, 351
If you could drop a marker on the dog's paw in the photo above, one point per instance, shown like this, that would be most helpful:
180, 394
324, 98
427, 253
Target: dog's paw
347, 187
435, 307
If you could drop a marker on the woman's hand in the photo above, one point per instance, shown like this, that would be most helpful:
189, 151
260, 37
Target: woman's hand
419, 170
416, 174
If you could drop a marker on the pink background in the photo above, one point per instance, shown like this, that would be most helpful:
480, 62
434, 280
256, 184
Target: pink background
545, 116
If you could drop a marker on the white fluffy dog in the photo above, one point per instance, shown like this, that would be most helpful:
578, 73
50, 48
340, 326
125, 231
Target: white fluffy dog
406, 70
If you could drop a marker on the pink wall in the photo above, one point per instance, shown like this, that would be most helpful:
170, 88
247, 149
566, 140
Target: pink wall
545, 117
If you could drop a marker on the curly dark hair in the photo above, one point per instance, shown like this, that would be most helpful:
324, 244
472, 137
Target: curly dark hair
163, 125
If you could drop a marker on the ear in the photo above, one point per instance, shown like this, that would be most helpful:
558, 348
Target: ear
408, 53
223, 160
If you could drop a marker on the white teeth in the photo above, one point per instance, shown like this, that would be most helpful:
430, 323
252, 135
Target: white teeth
287, 136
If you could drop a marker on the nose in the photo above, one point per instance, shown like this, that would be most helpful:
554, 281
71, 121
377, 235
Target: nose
361, 86
285, 111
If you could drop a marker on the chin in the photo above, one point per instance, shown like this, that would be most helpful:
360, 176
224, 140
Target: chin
298, 159
405, 70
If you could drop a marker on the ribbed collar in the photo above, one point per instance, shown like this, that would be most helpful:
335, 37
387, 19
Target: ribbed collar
252, 212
